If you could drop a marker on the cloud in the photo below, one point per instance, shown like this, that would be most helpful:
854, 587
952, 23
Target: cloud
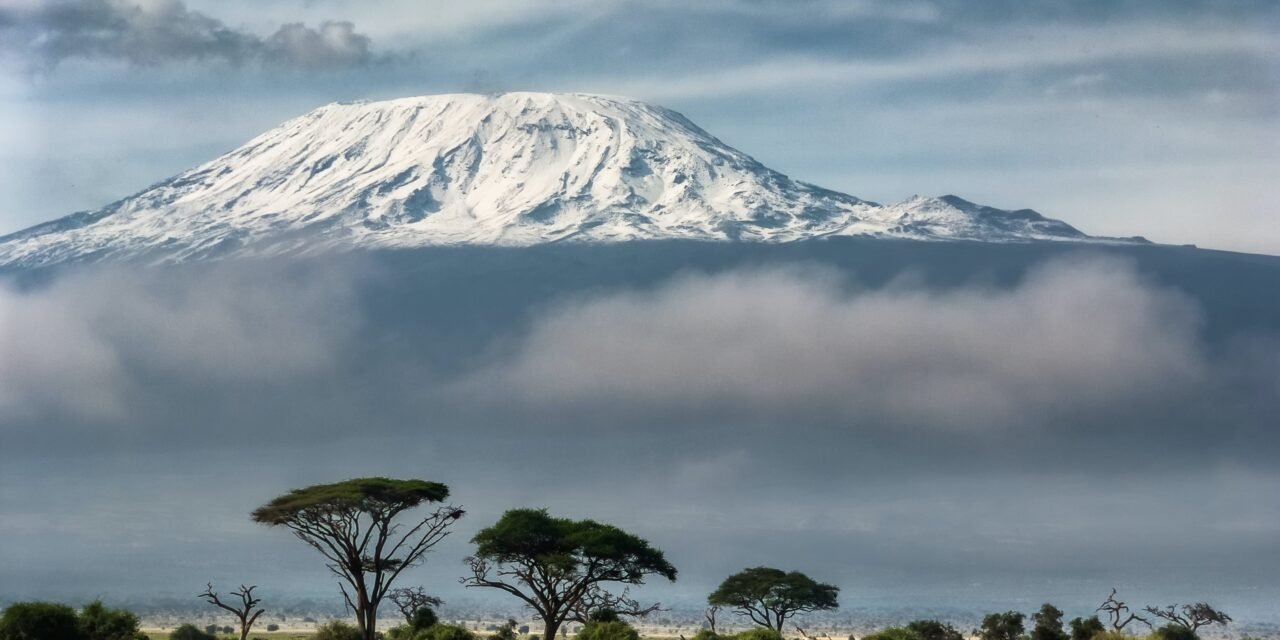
334, 44
1004, 50
90, 344
158, 32
1072, 338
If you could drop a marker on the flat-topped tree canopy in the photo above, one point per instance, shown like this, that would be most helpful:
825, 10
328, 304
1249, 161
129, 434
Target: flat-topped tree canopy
531, 534
559, 566
353, 524
769, 596
368, 495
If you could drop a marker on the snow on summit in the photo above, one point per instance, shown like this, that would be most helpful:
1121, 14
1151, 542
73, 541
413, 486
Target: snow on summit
510, 169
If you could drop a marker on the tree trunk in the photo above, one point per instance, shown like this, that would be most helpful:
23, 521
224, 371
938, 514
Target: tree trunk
371, 619
549, 629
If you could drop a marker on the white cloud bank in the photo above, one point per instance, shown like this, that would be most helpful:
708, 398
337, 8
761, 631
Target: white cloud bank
83, 344
1073, 336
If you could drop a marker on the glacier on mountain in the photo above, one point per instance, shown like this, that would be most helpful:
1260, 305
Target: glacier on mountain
512, 169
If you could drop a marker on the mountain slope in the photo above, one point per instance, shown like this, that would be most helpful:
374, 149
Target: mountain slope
515, 169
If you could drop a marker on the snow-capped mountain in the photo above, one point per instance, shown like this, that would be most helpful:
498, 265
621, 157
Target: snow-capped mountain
512, 169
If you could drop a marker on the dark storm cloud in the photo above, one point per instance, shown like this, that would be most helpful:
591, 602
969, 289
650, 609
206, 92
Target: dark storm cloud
157, 32
1074, 337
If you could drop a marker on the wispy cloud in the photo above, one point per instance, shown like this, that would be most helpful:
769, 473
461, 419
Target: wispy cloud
1009, 50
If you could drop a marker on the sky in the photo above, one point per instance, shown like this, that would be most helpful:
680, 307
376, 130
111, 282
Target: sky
1140, 117
966, 432
961, 444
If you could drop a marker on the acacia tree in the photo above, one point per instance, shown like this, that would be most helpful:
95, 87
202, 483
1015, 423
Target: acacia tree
409, 600
1191, 616
1118, 613
244, 610
769, 596
553, 564
353, 525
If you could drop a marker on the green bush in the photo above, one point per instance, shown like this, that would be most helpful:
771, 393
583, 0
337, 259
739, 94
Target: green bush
1112, 635
1174, 632
759, 633
190, 632
1086, 628
445, 632
608, 630
506, 632
100, 623
40, 621
603, 615
399, 632
893, 633
337, 630
423, 618
706, 634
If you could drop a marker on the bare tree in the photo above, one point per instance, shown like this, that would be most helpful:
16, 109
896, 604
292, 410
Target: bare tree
409, 599
1119, 613
596, 599
1191, 616
710, 615
244, 610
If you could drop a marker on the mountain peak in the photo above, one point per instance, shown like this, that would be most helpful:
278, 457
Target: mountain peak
510, 169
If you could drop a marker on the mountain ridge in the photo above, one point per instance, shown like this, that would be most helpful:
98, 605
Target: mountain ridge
513, 169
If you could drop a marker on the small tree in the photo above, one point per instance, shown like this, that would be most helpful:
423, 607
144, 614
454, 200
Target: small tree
553, 563
1086, 628
1048, 624
242, 610
1118, 613
710, 616
410, 599
353, 525
1191, 616
1002, 626
769, 596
